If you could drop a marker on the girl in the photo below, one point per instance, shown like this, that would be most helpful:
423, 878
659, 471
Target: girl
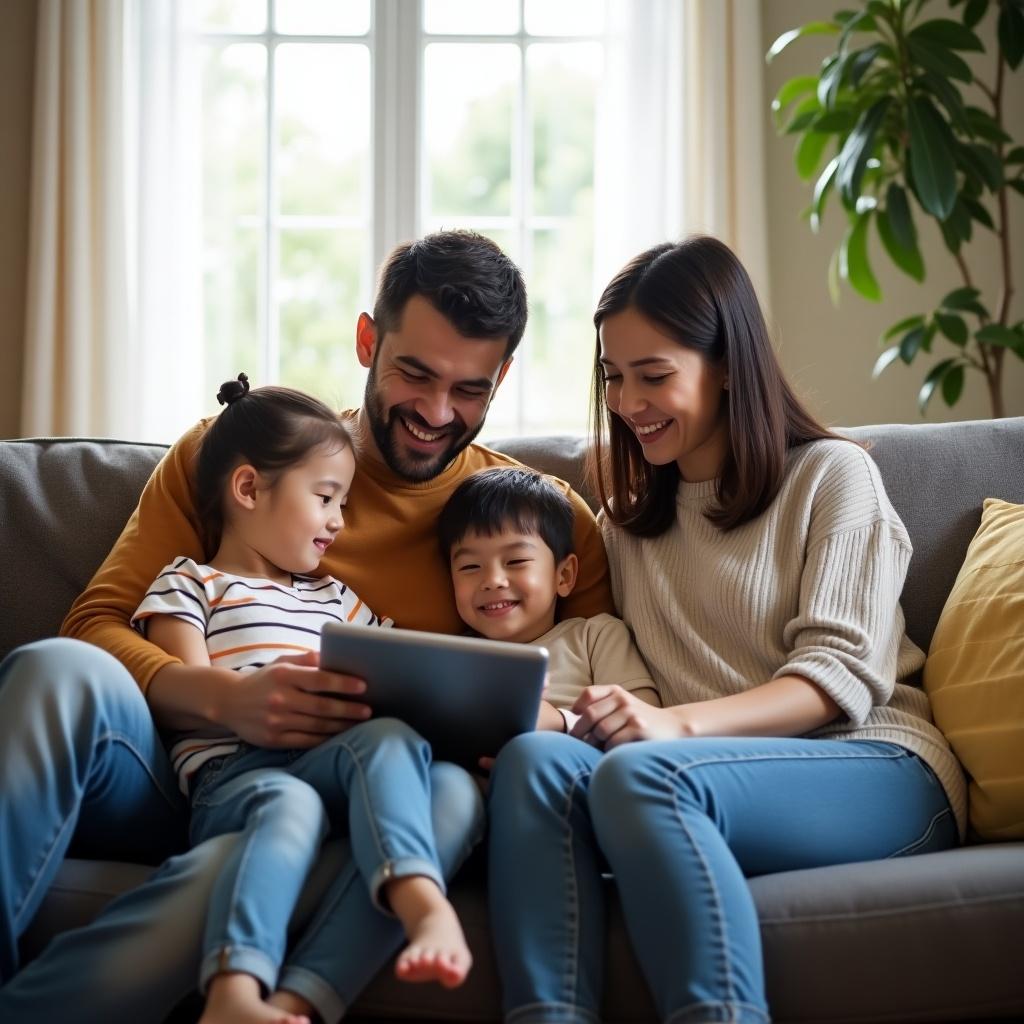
759, 563
272, 479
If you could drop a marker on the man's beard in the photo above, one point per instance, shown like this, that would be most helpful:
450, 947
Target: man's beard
416, 467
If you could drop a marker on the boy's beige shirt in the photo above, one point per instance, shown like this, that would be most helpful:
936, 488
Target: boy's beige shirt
387, 553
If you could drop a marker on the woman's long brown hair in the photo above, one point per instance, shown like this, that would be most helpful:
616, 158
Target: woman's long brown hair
698, 292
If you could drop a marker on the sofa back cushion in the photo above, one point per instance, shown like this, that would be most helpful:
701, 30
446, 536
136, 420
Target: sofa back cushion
64, 501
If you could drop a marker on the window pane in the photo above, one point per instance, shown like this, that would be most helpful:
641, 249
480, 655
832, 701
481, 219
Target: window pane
469, 118
231, 304
226, 15
323, 128
323, 17
471, 17
560, 335
233, 186
564, 17
563, 82
320, 291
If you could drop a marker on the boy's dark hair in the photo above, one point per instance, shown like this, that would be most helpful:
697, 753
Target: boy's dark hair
498, 499
271, 429
464, 276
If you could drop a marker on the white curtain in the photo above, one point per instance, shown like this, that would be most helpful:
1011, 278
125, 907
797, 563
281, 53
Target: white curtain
110, 321
681, 146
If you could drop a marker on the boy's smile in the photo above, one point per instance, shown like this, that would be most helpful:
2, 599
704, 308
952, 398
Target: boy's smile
507, 584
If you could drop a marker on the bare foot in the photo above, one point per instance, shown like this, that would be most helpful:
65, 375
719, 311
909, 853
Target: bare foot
437, 949
235, 999
292, 1003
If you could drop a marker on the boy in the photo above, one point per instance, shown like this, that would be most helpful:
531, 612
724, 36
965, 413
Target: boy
507, 536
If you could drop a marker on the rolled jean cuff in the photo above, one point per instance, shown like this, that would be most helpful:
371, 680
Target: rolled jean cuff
403, 867
719, 1013
311, 987
551, 1013
238, 960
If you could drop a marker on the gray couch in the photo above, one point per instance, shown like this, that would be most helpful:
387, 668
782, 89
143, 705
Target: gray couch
935, 937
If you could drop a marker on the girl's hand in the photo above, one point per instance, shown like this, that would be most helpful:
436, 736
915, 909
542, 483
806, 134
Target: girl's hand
610, 715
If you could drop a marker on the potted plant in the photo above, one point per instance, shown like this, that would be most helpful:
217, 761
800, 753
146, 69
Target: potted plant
909, 127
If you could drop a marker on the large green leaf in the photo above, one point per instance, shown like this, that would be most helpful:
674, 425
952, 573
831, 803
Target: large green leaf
821, 190
907, 258
831, 80
937, 58
931, 159
931, 382
974, 12
885, 360
861, 61
1011, 33
952, 385
903, 325
965, 300
813, 28
853, 260
978, 212
947, 33
984, 124
808, 153
981, 161
900, 217
997, 334
953, 327
858, 148
929, 83
911, 343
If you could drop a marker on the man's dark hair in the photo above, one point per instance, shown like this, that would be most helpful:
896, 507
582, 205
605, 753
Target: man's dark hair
270, 428
464, 276
495, 500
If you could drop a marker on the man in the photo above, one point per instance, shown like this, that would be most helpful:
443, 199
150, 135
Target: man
81, 760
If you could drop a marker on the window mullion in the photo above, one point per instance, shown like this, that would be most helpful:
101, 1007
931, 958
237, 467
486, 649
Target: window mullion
397, 64
268, 308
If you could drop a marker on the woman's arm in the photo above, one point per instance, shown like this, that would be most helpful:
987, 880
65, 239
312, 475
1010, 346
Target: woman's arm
785, 706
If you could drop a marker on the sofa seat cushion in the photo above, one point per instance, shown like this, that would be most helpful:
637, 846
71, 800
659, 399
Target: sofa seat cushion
975, 671
928, 938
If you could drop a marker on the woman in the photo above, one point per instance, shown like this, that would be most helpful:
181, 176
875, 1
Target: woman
759, 563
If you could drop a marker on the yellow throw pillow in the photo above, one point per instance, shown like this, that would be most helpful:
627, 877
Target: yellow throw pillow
975, 671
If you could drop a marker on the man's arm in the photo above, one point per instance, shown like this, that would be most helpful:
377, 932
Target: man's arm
592, 594
161, 527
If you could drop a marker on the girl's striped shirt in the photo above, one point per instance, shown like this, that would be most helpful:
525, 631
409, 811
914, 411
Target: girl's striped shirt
247, 623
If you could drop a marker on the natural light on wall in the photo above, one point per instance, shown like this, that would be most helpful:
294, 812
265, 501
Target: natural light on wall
332, 130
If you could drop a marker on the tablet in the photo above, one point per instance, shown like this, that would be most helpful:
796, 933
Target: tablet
466, 696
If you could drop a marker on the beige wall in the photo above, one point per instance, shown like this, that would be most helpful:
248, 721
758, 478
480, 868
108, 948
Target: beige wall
828, 351
17, 46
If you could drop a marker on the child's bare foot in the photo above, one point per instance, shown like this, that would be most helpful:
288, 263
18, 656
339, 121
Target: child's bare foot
437, 949
292, 1003
235, 999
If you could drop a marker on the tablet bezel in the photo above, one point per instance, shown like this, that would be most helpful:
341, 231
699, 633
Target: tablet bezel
466, 695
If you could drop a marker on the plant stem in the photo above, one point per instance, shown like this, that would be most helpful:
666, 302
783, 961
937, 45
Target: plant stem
995, 378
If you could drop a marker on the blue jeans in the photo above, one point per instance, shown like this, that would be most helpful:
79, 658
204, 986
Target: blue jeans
680, 824
373, 783
80, 757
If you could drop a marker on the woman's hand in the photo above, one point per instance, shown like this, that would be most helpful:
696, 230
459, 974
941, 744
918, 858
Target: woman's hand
610, 715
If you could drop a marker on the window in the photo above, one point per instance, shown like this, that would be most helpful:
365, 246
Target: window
333, 129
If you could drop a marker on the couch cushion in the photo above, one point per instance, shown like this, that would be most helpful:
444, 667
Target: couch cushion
975, 671
63, 503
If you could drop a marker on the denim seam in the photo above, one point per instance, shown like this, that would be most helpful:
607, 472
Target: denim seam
922, 839
551, 1013
721, 926
570, 977
736, 1011
126, 741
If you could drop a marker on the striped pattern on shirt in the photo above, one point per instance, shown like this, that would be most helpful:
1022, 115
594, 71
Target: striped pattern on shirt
246, 623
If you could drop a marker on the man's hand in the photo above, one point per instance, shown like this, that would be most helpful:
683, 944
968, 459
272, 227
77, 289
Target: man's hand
292, 702
610, 715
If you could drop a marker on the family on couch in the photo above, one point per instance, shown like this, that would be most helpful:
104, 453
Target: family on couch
754, 556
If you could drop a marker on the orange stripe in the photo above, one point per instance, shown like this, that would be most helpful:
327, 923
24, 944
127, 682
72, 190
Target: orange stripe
227, 604
260, 647
355, 611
